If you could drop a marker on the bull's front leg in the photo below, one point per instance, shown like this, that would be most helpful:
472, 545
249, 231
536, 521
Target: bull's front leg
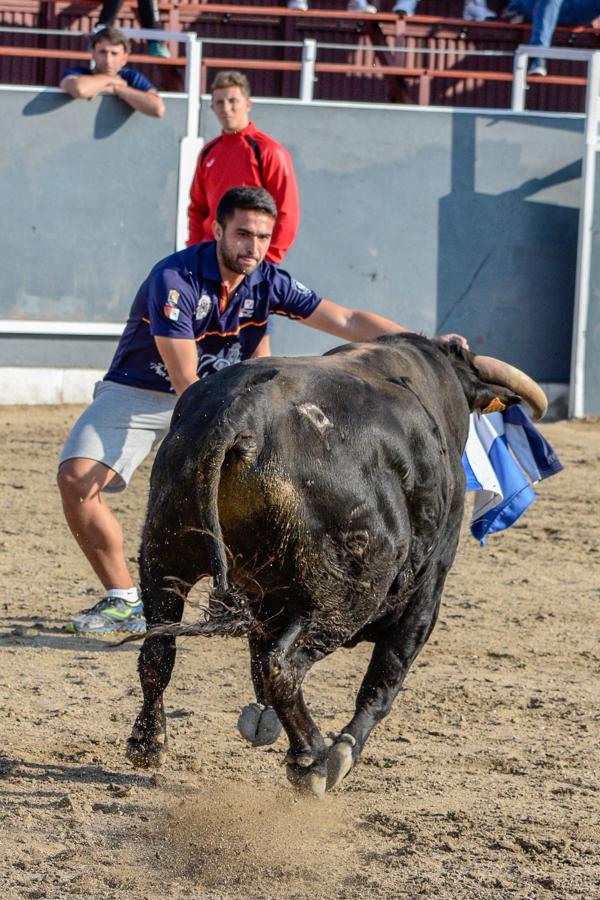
391, 659
282, 664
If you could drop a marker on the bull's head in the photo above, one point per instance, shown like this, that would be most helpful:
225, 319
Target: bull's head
491, 385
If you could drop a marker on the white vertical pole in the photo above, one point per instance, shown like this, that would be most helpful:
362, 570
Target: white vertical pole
192, 83
519, 80
191, 143
584, 243
307, 75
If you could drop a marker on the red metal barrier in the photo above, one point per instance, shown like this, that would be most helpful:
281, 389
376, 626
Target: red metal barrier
362, 73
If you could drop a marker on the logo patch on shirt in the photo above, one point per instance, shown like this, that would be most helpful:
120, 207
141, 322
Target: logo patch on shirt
214, 362
204, 306
173, 298
171, 313
247, 308
301, 288
210, 163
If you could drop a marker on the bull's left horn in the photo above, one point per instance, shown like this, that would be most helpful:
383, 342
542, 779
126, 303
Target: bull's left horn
498, 372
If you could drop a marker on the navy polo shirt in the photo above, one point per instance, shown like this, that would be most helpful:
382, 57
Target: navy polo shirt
182, 297
133, 78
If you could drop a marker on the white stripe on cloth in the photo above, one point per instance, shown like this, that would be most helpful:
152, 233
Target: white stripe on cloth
505, 453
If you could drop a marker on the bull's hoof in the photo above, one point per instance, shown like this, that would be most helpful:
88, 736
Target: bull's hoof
339, 758
146, 751
308, 780
144, 755
318, 776
259, 724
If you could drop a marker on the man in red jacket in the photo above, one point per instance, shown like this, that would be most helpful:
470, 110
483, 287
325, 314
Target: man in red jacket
242, 156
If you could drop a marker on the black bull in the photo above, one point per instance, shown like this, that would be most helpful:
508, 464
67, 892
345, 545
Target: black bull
325, 496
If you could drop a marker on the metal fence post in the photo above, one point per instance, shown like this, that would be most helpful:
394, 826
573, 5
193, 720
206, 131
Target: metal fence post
191, 143
519, 84
192, 83
307, 75
584, 242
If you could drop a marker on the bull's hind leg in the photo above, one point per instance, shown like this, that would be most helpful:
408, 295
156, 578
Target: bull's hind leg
147, 745
282, 664
258, 722
164, 596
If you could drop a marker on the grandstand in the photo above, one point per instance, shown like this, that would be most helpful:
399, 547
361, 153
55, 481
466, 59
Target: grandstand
434, 58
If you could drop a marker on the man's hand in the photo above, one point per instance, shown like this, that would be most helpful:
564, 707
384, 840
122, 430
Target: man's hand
112, 86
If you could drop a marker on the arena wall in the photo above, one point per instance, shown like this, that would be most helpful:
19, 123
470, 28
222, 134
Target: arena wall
446, 220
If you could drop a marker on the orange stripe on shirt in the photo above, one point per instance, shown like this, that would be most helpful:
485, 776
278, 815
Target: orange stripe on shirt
221, 333
230, 333
245, 325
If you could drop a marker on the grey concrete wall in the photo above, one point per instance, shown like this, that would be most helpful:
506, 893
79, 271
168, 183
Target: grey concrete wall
88, 203
441, 219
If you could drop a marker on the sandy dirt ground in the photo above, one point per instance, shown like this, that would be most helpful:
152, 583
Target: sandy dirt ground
482, 783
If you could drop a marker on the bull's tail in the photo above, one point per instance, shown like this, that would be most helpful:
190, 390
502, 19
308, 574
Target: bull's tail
207, 495
233, 619
228, 611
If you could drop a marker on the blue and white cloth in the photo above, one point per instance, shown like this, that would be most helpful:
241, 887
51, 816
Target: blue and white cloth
504, 456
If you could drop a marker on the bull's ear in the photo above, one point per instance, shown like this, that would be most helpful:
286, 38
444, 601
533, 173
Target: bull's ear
493, 398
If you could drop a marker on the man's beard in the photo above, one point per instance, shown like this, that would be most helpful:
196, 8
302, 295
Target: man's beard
234, 263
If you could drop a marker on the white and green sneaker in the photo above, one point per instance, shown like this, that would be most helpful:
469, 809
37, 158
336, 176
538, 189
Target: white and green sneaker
109, 615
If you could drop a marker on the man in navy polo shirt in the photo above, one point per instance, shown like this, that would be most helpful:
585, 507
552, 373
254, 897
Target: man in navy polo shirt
198, 311
109, 74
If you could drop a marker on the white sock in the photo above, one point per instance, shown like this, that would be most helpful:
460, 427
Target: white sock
130, 595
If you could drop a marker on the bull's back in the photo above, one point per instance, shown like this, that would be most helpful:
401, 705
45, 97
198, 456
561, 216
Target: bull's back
330, 465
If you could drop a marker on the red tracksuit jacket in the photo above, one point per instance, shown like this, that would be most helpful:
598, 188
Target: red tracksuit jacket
248, 157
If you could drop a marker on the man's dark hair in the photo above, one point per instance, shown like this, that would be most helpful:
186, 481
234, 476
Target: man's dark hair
113, 36
254, 198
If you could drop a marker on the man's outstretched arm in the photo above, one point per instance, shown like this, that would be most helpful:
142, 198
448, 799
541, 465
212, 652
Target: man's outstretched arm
351, 324
356, 324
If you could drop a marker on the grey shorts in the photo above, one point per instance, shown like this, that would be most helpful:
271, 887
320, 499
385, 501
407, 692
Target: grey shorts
120, 428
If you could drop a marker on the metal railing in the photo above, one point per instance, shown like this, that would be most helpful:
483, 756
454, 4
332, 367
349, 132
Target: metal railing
308, 65
524, 53
591, 146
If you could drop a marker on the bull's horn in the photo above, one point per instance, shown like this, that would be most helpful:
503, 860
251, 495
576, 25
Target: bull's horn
498, 372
